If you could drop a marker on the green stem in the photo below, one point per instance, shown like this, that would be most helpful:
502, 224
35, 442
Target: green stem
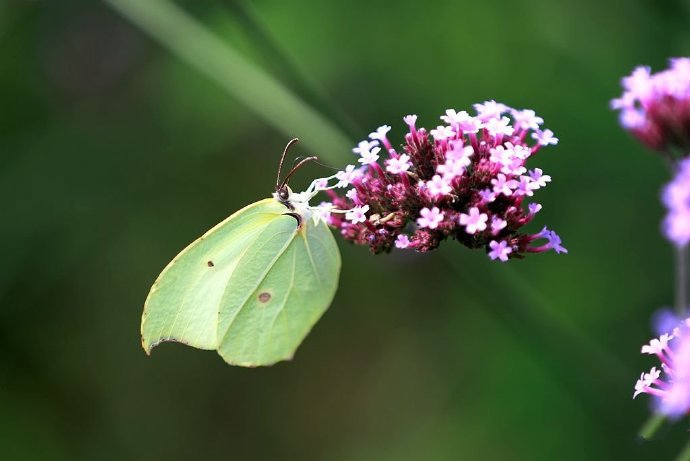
651, 426
684, 455
203, 50
653, 422
681, 298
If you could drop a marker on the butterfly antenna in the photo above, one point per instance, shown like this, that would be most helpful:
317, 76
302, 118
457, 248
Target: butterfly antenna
290, 143
295, 168
320, 164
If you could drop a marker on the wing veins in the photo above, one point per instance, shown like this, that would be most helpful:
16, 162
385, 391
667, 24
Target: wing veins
260, 280
324, 245
196, 242
219, 299
187, 294
283, 304
311, 259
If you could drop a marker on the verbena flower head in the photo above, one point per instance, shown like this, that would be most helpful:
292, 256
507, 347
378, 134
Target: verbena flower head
466, 179
676, 198
669, 384
655, 108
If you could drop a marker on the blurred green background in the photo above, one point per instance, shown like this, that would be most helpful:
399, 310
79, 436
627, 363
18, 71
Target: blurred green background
116, 154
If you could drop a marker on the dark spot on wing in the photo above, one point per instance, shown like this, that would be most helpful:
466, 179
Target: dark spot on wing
210, 264
264, 297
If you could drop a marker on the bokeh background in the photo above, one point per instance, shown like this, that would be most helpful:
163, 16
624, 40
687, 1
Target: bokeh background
116, 153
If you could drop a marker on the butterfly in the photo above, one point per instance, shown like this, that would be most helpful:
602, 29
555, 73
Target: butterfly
253, 286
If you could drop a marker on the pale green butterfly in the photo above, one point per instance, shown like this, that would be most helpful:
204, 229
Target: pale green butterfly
254, 285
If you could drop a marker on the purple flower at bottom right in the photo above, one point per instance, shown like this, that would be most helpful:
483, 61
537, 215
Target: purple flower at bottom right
669, 384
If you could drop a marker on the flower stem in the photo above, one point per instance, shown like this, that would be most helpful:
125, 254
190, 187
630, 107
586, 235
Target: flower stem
654, 421
650, 426
681, 273
684, 455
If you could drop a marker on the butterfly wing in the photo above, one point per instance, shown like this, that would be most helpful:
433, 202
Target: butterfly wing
183, 303
278, 291
251, 287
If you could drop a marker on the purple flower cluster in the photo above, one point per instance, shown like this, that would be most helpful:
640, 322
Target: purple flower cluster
465, 180
655, 108
673, 391
676, 197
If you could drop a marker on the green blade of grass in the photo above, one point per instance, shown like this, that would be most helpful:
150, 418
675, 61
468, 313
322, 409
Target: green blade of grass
281, 63
206, 52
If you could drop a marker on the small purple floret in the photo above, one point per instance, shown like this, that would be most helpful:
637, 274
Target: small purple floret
499, 250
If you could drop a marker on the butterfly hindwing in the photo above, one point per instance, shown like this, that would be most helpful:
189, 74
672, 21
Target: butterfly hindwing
277, 293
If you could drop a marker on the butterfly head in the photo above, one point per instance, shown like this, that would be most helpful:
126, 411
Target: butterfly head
298, 202
282, 194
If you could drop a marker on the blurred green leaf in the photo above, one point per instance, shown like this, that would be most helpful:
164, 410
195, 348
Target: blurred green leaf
203, 50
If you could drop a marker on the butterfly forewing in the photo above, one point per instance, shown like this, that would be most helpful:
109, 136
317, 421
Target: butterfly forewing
184, 301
